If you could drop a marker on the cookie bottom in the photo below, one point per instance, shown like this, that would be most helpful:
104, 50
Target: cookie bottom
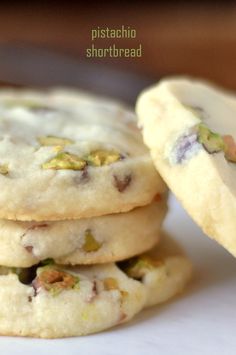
53, 301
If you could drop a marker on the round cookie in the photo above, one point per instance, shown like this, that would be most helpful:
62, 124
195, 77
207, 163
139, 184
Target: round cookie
83, 241
190, 129
53, 301
70, 155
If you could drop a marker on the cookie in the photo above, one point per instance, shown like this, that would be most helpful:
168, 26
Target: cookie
52, 301
83, 241
70, 155
190, 129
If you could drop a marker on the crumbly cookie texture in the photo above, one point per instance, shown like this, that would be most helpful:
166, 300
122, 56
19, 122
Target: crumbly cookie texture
83, 241
52, 301
189, 126
66, 155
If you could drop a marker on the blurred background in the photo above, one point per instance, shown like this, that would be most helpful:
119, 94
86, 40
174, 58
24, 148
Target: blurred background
45, 43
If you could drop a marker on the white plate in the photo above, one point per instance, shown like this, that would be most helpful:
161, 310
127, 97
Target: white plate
200, 321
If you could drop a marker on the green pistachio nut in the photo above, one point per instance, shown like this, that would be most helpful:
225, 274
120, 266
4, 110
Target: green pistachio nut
90, 243
55, 280
102, 157
4, 169
212, 142
110, 283
65, 160
138, 267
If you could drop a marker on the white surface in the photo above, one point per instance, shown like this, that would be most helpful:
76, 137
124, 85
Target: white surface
201, 321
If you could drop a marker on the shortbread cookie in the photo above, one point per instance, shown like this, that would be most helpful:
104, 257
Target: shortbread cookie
83, 241
53, 301
190, 129
70, 155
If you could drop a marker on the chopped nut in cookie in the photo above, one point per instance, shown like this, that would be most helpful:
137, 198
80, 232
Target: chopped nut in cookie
185, 147
102, 157
55, 281
121, 183
110, 284
90, 243
211, 141
138, 266
65, 160
4, 169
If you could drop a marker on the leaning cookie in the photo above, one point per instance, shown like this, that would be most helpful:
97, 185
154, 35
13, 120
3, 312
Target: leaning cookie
84, 241
53, 301
70, 155
190, 129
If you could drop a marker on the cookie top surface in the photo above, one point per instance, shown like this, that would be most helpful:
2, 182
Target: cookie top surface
62, 152
189, 126
53, 301
83, 241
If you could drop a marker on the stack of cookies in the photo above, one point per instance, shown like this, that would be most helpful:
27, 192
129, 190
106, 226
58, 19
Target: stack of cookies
81, 209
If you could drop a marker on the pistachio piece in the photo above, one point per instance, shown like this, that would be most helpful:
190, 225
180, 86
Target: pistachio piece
90, 244
4, 169
121, 183
101, 157
29, 248
230, 148
212, 142
185, 147
110, 284
137, 267
54, 141
55, 281
94, 292
65, 160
